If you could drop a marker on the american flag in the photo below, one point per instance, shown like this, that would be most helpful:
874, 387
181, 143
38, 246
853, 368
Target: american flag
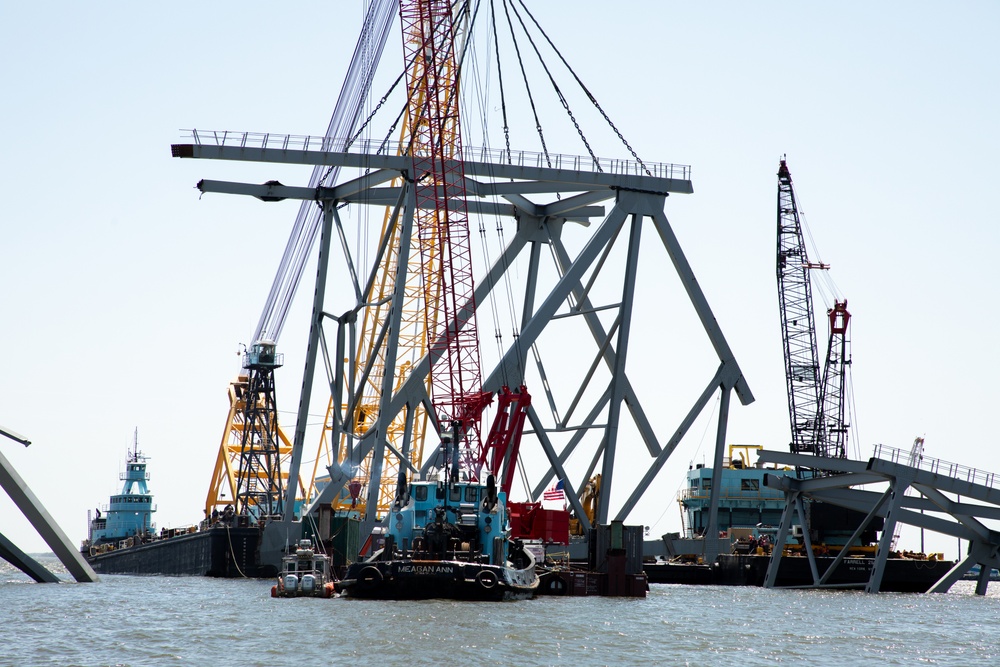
555, 492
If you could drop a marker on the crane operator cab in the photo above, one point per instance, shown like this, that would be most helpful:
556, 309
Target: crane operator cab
262, 355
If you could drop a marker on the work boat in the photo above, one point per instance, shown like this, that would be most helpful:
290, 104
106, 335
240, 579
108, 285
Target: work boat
304, 573
445, 539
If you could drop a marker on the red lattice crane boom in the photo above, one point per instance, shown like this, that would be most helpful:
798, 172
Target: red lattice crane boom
442, 223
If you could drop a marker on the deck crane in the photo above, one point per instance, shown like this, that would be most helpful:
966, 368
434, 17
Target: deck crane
816, 403
442, 225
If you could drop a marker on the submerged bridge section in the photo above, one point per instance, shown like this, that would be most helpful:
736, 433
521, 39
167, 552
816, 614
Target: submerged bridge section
953, 500
42, 521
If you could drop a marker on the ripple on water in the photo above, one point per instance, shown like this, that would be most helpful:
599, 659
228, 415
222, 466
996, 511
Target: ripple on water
190, 620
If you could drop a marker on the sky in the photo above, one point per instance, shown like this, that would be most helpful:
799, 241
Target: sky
125, 296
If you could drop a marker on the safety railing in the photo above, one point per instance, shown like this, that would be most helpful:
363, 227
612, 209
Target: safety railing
517, 158
936, 466
761, 494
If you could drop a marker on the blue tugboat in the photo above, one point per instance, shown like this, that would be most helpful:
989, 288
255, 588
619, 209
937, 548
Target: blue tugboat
450, 539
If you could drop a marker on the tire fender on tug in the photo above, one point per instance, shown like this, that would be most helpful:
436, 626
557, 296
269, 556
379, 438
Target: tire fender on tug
487, 579
370, 576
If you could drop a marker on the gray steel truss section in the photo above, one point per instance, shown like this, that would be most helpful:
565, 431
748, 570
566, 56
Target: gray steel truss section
312, 346
403, 163
636, 197
47, 528
618, 372
952, 517
25, 563
593, 322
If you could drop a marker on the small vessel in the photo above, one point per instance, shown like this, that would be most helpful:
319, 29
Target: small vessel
446, 539
305, 573
124, 540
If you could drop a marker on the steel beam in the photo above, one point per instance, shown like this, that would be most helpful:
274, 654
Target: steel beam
42, 521
404, 163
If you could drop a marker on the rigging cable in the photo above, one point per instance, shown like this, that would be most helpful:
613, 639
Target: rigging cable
354, 91
555, 87
503, 99
586, 90
524, 76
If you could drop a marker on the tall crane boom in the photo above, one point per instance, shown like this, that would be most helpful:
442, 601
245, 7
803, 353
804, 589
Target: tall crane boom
817, 404
441, 214
798, 327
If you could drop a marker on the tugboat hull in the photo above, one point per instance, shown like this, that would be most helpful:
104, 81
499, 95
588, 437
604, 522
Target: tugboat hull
422, 580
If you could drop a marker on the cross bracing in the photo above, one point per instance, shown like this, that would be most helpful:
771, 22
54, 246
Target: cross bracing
621, 205
951, 499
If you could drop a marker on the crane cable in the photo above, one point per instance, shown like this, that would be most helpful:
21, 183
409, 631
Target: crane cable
378, 20
555, 86
527, 86
472, 75
590, 95
503, 98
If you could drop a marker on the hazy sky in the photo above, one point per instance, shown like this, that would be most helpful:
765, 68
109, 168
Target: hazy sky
124, 297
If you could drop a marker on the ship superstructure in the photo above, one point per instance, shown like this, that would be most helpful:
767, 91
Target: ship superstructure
129, 513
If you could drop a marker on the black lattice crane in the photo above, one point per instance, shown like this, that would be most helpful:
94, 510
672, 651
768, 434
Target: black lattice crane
816, 403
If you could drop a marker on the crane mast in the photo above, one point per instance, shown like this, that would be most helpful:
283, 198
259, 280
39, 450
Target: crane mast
798, 327
441, 215
817, 403
834, 401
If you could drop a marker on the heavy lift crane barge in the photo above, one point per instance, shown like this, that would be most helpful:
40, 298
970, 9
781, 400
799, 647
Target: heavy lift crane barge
638, 190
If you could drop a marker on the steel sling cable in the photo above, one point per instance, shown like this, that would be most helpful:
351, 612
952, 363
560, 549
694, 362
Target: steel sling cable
378, 20
590, 96
555, 87
527, 86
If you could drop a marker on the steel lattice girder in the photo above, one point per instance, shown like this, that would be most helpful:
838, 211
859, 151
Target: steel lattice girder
636, 196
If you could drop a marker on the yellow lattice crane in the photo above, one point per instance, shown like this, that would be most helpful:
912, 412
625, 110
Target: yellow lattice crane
411, 339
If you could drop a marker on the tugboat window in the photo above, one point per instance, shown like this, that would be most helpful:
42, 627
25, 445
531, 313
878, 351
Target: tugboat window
420, 493
471, 494
750, 485
455, 494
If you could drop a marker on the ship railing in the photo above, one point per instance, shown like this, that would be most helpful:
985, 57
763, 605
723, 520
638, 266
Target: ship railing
131, 475
732, 494
936, 466
518, 158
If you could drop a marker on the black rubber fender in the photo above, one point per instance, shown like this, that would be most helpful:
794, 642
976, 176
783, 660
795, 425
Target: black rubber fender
487, 579
370, 576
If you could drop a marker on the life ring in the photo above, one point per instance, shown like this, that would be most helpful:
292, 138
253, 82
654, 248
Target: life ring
487, 579
370, 576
